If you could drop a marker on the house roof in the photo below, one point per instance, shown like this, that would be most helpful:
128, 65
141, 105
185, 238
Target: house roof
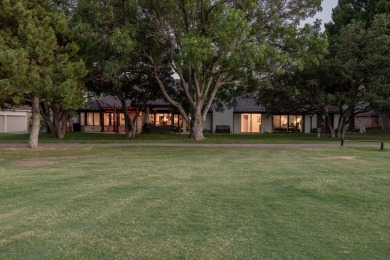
248, 105
244, 104
157, 103
333, 109
111, 102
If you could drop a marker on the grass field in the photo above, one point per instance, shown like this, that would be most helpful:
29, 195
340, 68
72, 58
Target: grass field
194, 203
372, 136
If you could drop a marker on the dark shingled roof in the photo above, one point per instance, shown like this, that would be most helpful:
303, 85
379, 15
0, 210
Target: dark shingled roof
108, 102
333, 109
244, 104
157, 103
248, 105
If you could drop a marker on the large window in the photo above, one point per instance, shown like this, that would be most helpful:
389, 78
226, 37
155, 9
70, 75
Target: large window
288, 123
250, 123
108, 119
89, 118
163, 119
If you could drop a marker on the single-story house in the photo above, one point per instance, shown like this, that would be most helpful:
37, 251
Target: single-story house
247, 116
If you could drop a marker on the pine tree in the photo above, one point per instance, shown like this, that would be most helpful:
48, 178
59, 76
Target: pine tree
36, 55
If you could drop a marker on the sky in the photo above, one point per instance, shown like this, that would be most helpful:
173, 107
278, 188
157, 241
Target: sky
326, 14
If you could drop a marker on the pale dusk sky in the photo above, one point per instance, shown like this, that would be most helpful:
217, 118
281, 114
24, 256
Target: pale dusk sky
326, 14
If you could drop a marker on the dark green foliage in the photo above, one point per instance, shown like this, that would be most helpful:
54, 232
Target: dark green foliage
218, 47
107, 32
38, 59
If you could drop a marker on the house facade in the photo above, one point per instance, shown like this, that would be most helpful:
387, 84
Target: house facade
247, 116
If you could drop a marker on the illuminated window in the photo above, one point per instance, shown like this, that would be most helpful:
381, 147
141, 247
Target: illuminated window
82, 118
92, 119
288, 123
250, 123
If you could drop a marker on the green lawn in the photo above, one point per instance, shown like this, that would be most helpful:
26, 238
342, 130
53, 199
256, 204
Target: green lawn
194, 203
373, 136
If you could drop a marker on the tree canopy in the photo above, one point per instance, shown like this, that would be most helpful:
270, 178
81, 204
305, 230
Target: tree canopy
216, 46
37, 57
368, 20
107, 32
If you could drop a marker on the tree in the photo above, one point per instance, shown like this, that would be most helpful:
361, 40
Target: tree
377, 63
115, 68
373, 51
36, 56
355, 10
214, 45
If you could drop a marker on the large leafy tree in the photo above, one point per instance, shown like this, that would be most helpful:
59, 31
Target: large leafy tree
115, 68
377, 63
372, 50
214, 46
36, 58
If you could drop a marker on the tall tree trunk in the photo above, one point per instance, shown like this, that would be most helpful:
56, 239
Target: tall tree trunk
45, 114
57, 124
34, 134
196, 131
59, 119
129, 125
64, 119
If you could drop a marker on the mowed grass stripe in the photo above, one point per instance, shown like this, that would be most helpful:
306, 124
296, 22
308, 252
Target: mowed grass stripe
194, 202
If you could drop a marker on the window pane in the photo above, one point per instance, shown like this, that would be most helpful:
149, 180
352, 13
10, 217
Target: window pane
151, 119
300, 123
245, 123
277, 123
122, 119
107, 117
284, 121
256, 121
82, 118
96, 119
89, 118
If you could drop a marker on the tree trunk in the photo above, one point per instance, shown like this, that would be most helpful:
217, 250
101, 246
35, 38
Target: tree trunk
331, 129
64, 119
129, 125
384, 116
34, 134
59, 122
55, 123
196, 131
130, 133
45, 114
343, 130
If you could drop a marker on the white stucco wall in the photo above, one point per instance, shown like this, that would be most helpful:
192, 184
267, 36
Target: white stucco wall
308, 126
236, 123
266, 123
207, 124
336, 121
13, 122
223, 118
2, 124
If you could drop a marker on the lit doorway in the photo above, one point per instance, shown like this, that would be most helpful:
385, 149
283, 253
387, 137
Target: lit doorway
250, 123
